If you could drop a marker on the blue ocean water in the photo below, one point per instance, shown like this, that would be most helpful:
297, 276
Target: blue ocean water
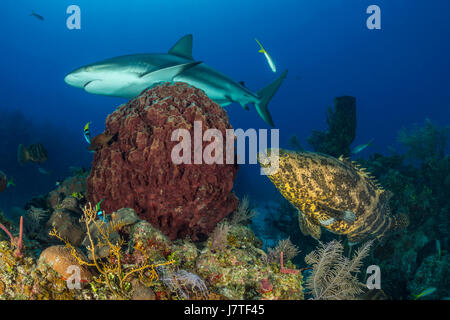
399, 74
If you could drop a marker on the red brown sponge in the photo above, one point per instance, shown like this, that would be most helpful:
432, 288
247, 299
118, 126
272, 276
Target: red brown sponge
135, 168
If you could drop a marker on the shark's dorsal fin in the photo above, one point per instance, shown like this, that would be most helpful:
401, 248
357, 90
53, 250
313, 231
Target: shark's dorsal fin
183, 48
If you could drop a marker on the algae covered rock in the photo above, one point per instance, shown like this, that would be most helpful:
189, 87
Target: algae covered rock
75, 185
141, 292
60, 258
125, 216
239, 271
185, 253
433, 272
67, 226
146, 238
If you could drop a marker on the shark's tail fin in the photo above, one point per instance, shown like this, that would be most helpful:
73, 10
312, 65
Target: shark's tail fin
265, 95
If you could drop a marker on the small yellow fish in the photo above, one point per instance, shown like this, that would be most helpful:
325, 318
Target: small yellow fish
425, 293
268, 57
361, 147
77, 195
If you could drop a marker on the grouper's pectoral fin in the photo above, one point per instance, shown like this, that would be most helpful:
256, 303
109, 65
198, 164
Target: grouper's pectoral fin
335, 214
308, 227
168, 73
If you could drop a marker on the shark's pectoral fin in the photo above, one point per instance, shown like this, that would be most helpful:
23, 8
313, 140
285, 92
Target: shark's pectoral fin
308, 227
222, 103
245, 106
183, 48
168, 73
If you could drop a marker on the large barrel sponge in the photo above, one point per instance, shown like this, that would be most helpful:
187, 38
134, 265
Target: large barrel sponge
135, 169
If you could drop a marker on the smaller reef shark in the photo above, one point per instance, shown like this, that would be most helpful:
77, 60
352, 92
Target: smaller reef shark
127, 76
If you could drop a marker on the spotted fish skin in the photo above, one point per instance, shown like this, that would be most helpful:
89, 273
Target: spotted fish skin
334, 194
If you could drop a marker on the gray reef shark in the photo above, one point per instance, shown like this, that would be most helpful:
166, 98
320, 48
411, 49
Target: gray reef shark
127, 76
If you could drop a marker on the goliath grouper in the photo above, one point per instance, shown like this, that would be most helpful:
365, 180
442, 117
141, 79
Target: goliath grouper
333, 193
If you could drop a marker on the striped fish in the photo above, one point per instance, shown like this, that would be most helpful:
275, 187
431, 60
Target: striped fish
34, 153
87, 133
334, 194
37, 16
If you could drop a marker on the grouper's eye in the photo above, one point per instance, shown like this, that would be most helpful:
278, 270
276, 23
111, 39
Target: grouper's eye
285, 155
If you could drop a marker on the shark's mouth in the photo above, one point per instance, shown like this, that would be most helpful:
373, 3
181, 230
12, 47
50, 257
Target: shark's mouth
87, 83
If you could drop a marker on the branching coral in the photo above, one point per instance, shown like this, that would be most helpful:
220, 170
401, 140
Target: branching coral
286, 270
113, 273
334, 277
15, 241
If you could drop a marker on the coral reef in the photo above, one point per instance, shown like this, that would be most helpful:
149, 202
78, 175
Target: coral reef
341, 131
239, 270
73, 185
434, 272
135, 168
419, 180
64, 148
113, 273
425, 143
140, 262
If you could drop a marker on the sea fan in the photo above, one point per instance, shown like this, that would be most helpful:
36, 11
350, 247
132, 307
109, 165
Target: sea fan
243, 212
334, 277
219, 237
33, 219
286, 246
